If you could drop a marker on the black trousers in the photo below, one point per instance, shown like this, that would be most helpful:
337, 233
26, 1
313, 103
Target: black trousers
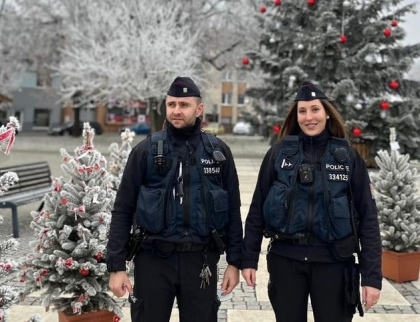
159, 278
292, 281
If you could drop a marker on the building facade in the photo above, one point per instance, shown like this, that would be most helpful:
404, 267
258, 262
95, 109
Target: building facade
225, 100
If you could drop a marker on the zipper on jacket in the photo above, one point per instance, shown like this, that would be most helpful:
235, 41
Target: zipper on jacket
291, 212
187, 192
311, 191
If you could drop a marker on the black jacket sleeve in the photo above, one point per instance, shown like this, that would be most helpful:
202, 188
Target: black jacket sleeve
369, 235
254, 224
234, 232
125, 206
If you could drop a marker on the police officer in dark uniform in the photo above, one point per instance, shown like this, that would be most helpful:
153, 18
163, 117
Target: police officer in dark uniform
180, 186
313, 200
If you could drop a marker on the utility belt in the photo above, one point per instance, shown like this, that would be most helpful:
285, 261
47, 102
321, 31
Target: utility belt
169, 247
296, 239
216, 243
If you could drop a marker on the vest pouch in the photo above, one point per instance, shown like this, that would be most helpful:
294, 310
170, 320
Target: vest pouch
340, 220
275, 206
220, 207
150, 212
344, 248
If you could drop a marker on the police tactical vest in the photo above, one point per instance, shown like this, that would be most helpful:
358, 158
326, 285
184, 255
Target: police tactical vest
320, 207
205, 203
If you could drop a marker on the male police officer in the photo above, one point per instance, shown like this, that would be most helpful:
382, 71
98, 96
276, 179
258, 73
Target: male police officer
181, 184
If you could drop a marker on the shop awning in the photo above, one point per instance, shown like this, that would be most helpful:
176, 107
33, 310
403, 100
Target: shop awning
4, 98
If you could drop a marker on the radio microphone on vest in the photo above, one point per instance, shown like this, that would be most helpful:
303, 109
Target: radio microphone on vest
340, 155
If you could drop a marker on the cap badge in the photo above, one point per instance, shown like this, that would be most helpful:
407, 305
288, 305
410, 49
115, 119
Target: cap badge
313, 94
185, 89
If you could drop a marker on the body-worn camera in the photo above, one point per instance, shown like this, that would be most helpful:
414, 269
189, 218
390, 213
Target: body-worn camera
306, 173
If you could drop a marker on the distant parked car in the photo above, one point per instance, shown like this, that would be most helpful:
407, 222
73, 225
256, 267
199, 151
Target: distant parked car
243, 128
68, 127
214, 128
138, 128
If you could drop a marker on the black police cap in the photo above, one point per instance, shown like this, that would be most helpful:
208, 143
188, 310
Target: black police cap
308, 92
183, 87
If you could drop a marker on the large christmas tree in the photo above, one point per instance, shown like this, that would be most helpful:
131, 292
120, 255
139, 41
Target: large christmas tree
352, 49
68, 261
397, 199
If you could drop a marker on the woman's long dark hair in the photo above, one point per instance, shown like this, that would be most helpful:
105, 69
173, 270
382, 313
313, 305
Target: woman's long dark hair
335, 124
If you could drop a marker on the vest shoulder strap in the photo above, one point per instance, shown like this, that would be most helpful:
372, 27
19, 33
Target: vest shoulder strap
290, 144
210, 142
339, 141
159, 143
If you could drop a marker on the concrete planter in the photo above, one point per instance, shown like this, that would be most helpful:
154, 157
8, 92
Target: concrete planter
98, 316
401, 267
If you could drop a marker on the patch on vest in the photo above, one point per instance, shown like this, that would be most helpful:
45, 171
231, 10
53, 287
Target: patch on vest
336, 167
211, 170
207, 161
338, 177
286, 164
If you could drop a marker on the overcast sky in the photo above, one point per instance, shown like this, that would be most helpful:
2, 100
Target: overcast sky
412, 24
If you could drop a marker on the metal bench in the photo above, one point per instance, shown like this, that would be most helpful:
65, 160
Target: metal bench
34, 182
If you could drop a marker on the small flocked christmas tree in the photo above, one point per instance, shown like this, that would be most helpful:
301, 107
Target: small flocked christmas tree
8, 246
119, 156
397, 200
70, 250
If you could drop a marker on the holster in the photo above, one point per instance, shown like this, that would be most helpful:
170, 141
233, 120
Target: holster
344, 248
352, 286
218, 242
134, 243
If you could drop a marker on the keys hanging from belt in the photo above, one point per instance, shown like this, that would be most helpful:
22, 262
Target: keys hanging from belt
179, 189
205, 273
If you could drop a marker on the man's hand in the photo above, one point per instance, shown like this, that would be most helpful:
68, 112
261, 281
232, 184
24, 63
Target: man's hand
370, 296
119, 283
250, 276
230, 279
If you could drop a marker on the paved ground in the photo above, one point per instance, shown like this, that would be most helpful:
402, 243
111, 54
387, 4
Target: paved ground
399, 302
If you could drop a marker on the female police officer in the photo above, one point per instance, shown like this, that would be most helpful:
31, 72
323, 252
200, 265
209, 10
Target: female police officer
307, 187
181, 184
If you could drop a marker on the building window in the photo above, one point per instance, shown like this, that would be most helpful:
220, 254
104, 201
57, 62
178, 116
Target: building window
126, 112
227, 98
226, 120
227, 76
42, 117
241, 99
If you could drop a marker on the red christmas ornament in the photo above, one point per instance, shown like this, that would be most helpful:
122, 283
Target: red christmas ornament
64, 201
394, 23
116, 319
245, 60
276, 129
44, 271
343, 39
394, 84
99, 256
384, 105
277, 2
311, 2
84, 271
263, 9
357, 132
387, 32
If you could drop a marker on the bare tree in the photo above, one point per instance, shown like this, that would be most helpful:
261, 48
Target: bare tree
125, 52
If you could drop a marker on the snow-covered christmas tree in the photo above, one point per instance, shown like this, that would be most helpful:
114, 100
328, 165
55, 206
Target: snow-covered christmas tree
119, 156
8, 246
397, 199
353, 50
68, 261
